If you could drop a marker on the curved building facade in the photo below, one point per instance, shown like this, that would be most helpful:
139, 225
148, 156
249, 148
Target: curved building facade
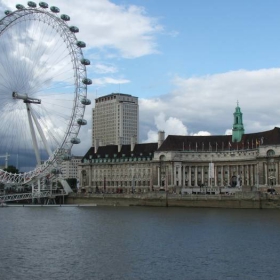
187, 164
216, 161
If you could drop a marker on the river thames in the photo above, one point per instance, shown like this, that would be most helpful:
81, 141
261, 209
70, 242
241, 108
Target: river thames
138, 243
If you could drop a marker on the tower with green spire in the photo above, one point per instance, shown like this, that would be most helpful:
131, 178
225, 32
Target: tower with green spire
238, 128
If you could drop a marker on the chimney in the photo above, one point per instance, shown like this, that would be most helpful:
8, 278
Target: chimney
120, 144
132, 143
96, 145
161, 136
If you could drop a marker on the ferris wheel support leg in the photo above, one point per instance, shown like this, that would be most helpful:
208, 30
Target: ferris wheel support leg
39, 190
39, 185
33, 192
41, 132
34, 140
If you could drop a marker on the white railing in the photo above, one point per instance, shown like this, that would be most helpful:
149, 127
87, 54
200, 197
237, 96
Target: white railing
23, 196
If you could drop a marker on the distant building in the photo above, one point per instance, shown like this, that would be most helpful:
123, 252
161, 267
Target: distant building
69, 168
115, 119
187, 164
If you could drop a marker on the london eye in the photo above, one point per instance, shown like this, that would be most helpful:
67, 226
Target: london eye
43, 89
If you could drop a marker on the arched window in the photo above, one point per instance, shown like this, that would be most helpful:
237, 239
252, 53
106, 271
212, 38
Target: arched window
162, 158
270, 153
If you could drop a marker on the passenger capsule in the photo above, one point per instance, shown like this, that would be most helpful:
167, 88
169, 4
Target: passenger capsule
55, 9
74, 29
55, 171
75, 140
87, 81
31, 4
81, 44
85, 61
85, 101
7, 12
19, 6
81, 121
65, 17
66, 157
44, 5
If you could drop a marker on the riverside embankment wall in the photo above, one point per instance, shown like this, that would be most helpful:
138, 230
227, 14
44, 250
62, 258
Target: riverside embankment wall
241, 200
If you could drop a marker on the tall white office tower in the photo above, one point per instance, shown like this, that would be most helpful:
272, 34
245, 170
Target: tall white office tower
115, 120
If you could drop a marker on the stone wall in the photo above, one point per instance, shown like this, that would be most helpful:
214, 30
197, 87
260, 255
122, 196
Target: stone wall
250, 200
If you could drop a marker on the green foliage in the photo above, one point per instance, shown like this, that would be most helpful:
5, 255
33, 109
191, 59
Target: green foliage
11, 169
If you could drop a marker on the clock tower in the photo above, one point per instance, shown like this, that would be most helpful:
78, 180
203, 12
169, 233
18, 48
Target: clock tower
238, 128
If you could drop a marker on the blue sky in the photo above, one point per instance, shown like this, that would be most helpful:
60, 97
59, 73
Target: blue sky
205, 37
188, 61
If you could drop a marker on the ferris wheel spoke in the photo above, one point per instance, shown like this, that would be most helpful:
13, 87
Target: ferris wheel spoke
43, 82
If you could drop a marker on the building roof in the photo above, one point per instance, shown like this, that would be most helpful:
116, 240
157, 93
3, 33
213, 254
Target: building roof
220, 142
111, 151
115, 94
188, 143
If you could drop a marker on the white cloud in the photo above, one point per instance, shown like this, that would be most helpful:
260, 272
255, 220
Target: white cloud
126, 29
104, 69
207, 103
171, 126
201, 133
228, 132
109, 80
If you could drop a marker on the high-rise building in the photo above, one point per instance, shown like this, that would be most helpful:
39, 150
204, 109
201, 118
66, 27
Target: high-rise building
115, 119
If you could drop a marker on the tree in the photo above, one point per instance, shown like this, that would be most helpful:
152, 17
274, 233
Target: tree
11, 169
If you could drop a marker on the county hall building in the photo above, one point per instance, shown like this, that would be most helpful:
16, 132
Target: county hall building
186, 164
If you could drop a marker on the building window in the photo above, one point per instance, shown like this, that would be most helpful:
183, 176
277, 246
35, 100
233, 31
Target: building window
270, 153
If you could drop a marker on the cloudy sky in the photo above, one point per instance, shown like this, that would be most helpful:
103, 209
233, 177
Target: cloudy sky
189, 62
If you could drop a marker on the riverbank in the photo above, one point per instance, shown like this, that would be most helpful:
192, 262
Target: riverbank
240, 200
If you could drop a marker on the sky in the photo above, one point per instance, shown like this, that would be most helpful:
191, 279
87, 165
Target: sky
188, 61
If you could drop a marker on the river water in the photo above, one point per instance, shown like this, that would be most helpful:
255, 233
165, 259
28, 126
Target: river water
138, 243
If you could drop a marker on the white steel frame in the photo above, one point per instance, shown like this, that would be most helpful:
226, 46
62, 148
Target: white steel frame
55, 158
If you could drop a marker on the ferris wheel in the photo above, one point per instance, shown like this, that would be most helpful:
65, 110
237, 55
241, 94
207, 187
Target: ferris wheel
43, 89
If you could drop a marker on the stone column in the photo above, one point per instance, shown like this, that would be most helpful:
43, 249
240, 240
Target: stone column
277, 172
215, 176
190, 176
202, 175
183, 176
247, 175
243, 174
159, 175
228, 174
265, 173
195, 176
252, 175
222, 175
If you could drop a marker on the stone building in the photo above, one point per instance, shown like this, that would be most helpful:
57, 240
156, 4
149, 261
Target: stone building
185, 163
69, 168
118, 168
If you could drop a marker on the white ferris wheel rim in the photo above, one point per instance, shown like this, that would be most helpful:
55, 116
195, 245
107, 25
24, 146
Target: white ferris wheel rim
79, 72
